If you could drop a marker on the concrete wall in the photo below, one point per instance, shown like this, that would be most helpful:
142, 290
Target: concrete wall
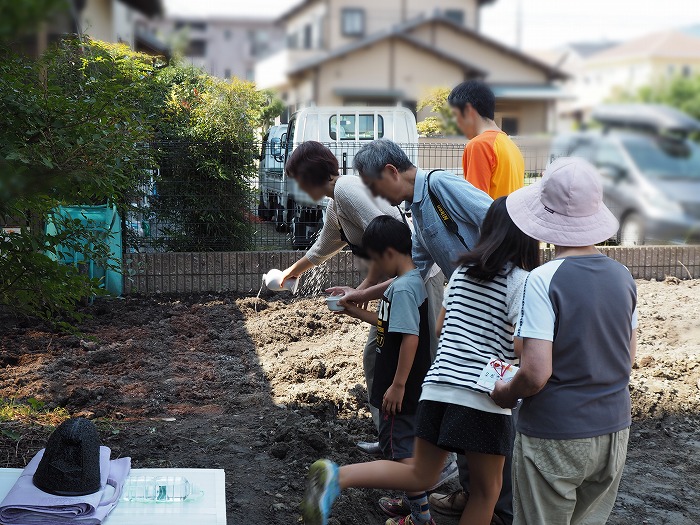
242, 271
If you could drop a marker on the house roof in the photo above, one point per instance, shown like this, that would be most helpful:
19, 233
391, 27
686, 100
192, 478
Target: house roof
303, 4
380, 37
515, 92
587, 49
400, 32
147, 7
665, 44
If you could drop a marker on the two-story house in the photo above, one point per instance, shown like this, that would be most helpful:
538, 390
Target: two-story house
343, 52
224, 47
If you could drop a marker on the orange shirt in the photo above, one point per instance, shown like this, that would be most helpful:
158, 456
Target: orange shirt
493, 163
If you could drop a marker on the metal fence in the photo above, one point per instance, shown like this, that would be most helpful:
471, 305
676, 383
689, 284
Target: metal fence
211, 199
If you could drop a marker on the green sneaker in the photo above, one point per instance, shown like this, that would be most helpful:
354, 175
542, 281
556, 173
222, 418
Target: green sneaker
322, 490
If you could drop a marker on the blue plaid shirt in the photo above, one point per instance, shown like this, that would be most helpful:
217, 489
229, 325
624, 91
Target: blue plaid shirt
432, 242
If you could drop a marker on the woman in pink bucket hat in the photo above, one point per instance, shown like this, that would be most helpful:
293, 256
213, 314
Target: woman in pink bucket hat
578, 327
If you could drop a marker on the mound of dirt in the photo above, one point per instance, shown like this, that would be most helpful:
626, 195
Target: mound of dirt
263, 387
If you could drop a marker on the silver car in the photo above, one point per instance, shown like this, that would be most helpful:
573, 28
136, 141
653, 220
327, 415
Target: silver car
650, 171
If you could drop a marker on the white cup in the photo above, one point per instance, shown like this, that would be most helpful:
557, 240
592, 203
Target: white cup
332, 302
273, 281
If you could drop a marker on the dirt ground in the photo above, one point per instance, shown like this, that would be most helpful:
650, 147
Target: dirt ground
209, 382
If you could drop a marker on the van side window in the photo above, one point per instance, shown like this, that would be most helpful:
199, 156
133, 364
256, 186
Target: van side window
343, 130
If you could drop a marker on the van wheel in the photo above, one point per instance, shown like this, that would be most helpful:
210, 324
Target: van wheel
631, 231
305, 228
263, 208
280, 224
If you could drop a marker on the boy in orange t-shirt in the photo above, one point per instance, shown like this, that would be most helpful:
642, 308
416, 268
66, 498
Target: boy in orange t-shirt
491, 161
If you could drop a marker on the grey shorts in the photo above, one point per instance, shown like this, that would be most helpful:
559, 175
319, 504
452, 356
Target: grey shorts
396, 435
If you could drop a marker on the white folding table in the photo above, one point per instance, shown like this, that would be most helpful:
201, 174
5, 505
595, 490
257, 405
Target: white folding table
210, 509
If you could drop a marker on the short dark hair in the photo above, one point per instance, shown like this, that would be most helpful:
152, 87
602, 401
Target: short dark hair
312, 162
501, 242
385, 232
474, 92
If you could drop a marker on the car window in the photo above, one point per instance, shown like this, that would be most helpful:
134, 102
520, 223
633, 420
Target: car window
609, 155
664, 157
584, 150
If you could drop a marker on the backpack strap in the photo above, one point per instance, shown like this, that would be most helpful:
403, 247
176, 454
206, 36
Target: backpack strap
442, 212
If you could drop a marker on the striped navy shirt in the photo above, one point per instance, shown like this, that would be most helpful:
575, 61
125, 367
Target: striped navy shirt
478, 327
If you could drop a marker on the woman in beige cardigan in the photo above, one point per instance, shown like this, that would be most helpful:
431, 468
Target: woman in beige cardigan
352, 207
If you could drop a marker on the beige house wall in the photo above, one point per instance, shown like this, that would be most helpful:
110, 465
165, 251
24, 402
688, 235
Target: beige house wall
370, 69
382, 14
418, 71
532, 115
502, 67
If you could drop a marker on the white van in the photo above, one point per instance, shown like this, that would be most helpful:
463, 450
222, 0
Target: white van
270, 172
344, 129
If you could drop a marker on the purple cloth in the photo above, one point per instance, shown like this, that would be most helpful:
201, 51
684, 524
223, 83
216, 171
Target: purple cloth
25, 504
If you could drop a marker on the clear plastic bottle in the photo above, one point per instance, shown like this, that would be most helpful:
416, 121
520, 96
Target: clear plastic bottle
150, 489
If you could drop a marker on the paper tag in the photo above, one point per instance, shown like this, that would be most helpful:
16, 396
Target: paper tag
496, 370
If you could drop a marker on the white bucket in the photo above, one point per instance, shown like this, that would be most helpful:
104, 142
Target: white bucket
273, 280
332, 302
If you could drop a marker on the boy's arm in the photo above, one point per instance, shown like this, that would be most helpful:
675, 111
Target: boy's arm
360, 296
393, 398
359, 313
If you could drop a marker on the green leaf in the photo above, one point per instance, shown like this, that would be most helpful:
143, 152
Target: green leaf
14, 436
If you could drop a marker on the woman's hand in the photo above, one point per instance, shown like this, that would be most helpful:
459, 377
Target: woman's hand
289, 273
296, 269
340, 290
501, 395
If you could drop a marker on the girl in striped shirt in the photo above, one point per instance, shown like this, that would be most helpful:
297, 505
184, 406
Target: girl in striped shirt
455, 414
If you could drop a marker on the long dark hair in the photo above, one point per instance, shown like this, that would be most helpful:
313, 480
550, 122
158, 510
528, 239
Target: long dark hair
501, 242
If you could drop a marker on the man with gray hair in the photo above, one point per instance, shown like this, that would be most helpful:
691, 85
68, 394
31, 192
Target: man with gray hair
447, 213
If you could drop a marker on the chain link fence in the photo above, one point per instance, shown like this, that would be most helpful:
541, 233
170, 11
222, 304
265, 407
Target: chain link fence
200, 198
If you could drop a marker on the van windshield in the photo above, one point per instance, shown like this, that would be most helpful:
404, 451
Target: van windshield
666, 158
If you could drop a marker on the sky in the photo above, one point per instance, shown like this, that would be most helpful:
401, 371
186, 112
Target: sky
546, 24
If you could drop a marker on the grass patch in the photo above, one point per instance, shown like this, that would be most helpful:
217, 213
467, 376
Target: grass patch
31, 411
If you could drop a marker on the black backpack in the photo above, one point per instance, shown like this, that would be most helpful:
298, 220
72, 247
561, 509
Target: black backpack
71, 462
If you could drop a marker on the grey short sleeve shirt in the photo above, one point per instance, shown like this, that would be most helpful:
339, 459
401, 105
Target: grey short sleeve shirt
585, 305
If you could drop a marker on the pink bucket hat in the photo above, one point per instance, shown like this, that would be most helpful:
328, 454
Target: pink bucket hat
566, 207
